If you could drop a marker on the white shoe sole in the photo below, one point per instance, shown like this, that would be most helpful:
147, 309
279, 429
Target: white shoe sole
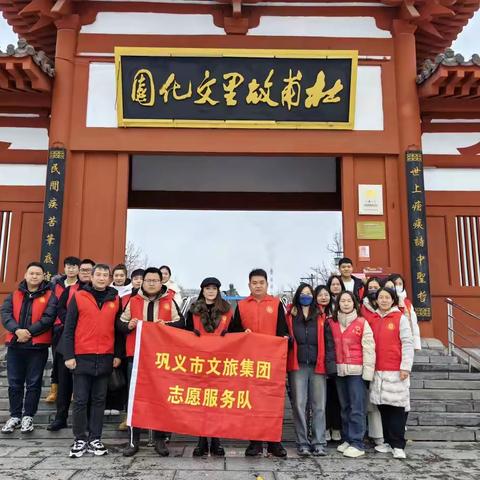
356, 455
77, 454
96, 453
27, 430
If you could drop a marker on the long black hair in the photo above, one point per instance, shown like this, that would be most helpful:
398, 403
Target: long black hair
297, 306
327, 308
394, 277
330, 280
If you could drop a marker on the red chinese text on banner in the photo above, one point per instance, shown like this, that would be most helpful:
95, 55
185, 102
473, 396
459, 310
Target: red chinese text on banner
211, 386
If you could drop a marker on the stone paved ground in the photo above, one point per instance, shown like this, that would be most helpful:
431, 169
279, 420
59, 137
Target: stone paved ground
40, 459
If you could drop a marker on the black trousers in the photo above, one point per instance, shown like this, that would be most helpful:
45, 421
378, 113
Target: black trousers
393, 424
55, 365
65, 389
332, 410
89, 390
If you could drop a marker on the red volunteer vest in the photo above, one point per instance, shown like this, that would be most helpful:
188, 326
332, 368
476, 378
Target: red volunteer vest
368, 315
348, 344
71, 291
292, 359
39, 305
260, 317
388, 347
222, 326
136, 311
95, 332
59, 288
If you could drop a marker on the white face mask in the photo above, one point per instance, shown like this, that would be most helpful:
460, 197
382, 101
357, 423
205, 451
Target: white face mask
400, 291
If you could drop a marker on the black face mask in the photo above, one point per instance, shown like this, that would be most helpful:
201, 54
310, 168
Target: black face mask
372, 296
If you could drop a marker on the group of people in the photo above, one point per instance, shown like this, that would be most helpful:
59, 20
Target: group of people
350, 351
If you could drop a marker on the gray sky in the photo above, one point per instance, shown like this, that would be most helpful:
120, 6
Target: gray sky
228, 244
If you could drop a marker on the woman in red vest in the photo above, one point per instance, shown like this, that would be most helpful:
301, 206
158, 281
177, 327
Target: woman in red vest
209, 315
390, 389
311, 357
368, 309
355, 358
332, 410
406, 307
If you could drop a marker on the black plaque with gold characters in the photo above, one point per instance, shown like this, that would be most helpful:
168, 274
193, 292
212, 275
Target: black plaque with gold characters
418, 236
52, 211
229, 88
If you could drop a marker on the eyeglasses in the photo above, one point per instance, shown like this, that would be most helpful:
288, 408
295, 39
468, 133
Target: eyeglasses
151, 281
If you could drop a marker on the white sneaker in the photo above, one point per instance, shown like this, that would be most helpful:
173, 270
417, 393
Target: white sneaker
79, 447
96, 447
399, 453
353, 452
336, 435
342, 447
107, 412
11, 424
384, 448
27, 424
328, 437
114, 412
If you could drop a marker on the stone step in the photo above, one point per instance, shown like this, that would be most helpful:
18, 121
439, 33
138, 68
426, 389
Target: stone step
454, 406
441, 359
424, 433
439, 395
445, 384
444, 418
438, 367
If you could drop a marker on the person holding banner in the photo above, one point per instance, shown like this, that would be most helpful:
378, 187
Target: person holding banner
91, 349
311, 357
152, 303
209, 315
260, 313
355, 357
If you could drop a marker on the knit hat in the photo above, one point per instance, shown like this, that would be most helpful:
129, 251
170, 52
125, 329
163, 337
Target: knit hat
210, 281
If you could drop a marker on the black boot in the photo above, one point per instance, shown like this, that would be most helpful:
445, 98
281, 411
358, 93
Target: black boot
276, 449
216, 450
131, 449
57, 425
201, 450
254, 449
161, 447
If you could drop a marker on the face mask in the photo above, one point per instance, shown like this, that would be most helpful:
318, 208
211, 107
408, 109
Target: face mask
305, 300
372, 296
400, 292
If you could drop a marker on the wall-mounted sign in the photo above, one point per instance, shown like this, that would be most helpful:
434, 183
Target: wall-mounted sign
371, 231
370, 200
234, 88
417, 225
52, 211
363, 253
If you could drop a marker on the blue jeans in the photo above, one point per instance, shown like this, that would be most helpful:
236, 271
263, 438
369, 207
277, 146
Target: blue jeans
351, 393
25, 370
307, 385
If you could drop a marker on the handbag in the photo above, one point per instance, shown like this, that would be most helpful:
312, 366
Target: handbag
117, 380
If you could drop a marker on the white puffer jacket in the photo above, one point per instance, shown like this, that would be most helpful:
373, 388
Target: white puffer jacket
387, 388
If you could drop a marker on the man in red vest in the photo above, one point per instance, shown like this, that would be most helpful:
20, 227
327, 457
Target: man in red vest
28, 315
153, 303
59, 284
64, 375
260, 313
91, 350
